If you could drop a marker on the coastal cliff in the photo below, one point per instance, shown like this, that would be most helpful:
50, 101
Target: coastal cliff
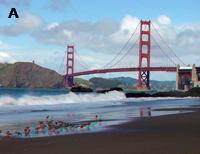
29, 75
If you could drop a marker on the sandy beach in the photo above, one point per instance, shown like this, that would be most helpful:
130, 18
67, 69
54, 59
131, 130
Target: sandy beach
178, 133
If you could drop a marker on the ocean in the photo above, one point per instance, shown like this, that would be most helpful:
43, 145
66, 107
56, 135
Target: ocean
80, 112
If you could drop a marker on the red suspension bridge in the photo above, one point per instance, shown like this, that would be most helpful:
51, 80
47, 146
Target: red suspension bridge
150, 44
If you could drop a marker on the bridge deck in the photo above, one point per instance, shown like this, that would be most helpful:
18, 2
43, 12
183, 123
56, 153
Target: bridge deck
133, 69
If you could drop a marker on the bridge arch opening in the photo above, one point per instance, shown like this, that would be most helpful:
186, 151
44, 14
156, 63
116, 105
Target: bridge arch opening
69, 71
198, 76
144, 62
185, 83
69, 55
145, 27
145, 37
144, 49
70, 49
70, 63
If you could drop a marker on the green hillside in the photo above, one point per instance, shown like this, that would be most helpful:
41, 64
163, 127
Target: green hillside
5, 67
104, 83
126, 83
78, 81
97, 82
129, 83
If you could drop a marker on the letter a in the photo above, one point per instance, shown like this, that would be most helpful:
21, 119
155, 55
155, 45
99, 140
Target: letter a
13, 12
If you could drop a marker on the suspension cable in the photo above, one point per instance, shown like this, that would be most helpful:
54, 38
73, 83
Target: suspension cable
62, 62
127, 52
82, 60
80, 63
122, 48
168, 46
129, 49
163, 51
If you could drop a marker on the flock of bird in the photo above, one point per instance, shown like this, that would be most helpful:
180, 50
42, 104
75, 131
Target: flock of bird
51, 125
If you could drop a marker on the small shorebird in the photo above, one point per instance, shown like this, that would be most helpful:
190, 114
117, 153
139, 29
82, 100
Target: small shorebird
43, 126
83, 125
37, 128
50, 122
8, 133
18, 133
76, 127
27, 129
41, 122
60, 123
57, 127
66, 124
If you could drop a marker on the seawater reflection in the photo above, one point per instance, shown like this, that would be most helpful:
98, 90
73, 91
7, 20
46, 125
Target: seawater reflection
83, 120
145, 112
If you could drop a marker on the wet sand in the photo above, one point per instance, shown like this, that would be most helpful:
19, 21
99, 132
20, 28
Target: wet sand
179, 133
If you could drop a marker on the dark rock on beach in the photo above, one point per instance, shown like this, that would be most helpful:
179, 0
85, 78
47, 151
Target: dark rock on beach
81, 88
111, 89
142, 94
192, 92
170, 94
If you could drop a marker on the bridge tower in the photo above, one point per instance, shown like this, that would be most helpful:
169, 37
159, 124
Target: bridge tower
143, 79
70, 66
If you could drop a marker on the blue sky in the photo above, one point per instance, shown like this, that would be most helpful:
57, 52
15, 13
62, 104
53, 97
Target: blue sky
97, 28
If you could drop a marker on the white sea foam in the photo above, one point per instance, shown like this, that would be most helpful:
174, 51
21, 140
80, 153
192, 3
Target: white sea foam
61, 99
70, 101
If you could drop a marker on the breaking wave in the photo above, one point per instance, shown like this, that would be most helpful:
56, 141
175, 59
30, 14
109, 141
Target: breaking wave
69, 98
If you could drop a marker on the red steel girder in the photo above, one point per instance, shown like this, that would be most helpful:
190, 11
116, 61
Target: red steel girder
132, 69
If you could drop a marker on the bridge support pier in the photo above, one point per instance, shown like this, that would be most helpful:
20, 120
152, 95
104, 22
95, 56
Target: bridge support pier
143, 81
69, 81
70, 66
177, 77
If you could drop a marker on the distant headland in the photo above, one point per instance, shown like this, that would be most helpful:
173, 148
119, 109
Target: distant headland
29, 75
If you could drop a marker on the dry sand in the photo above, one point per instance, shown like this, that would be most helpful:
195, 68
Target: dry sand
171, 134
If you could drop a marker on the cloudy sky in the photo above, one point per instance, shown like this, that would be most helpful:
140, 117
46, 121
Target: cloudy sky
99, 29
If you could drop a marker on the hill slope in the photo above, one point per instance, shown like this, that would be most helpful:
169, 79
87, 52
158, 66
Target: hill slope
127, 81
103, 83
29, 75
131, 83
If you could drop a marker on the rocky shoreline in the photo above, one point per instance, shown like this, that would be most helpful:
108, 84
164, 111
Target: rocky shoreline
81, 88
195, 92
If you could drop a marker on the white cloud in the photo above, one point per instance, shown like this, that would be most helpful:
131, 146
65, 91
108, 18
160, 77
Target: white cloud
4, 57
52, 25
164, 20
26, 23
129, 23
85, 34
68, 33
